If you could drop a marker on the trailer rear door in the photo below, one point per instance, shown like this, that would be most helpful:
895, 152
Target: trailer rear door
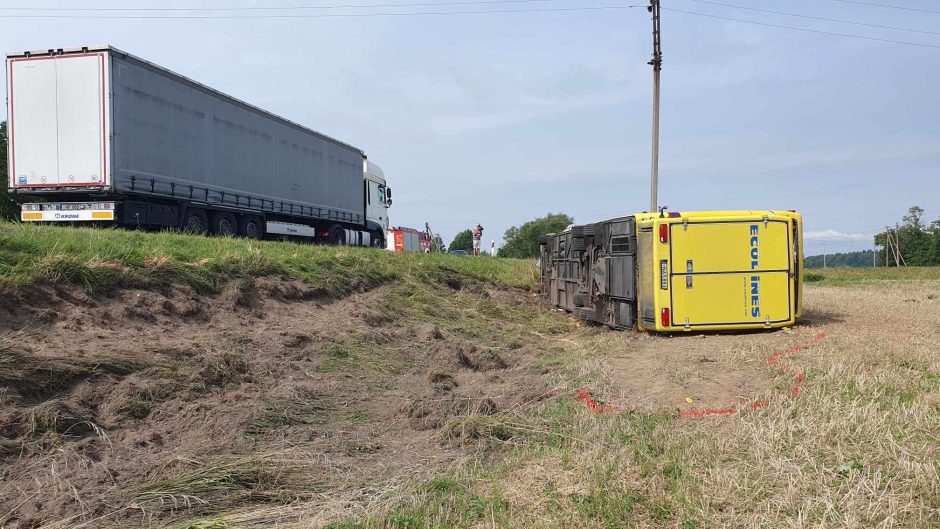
58, 120
727, 273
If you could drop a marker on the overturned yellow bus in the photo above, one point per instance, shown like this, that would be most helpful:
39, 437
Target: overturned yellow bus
690, 271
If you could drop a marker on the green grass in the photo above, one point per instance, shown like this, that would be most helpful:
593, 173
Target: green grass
849, 276
100, 259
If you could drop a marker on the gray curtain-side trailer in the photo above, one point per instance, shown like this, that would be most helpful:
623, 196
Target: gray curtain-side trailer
102, 135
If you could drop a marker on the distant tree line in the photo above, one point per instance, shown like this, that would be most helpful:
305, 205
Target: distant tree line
864, 258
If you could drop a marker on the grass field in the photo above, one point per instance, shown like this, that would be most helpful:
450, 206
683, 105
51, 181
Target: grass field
858, 447
845, 276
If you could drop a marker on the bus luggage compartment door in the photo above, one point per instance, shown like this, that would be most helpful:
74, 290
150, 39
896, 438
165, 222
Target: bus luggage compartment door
735, 274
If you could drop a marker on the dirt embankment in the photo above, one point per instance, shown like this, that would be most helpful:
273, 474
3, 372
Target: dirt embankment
144, 407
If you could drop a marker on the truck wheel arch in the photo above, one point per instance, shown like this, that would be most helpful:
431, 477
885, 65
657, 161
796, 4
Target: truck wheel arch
338, 235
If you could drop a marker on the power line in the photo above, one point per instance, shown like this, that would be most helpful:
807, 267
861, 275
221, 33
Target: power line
816, 18
806, 30
324, 15
916, 9
280, 8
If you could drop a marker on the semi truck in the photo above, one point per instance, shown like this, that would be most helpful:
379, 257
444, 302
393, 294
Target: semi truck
679, 272
99, 135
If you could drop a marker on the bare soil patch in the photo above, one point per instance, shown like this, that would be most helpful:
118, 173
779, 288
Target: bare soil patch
658, 373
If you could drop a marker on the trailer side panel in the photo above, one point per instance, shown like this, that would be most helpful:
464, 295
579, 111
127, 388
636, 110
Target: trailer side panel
175, 138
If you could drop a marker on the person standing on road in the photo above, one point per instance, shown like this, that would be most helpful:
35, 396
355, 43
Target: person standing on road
477, 239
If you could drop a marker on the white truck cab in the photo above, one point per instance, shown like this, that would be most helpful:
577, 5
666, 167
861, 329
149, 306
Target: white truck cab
378, 196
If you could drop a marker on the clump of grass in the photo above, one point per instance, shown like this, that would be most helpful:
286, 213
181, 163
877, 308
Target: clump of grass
301, 407
142, 397
446, 501
227, 369
279, 478
37, 377
56, 417
204, 524
362, 353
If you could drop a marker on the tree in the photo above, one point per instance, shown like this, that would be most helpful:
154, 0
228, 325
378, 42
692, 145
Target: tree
462, 241
523, 242
918, 243
8, 208
912, 219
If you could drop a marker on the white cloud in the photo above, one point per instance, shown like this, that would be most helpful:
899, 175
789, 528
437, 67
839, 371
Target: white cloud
835, 234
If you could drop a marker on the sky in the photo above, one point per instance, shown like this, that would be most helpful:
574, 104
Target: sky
499, 118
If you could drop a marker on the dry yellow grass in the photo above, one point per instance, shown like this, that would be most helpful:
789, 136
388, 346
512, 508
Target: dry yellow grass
858, 448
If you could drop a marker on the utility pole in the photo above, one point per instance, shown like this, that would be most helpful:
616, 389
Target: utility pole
897, 247
887, 244
657, 64
824, 254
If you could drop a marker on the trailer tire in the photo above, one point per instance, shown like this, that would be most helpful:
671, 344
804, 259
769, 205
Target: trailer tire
250, 227
337, 235
195, 221
224, 224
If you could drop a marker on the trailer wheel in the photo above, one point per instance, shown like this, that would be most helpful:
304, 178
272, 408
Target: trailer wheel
224, 224
338, 236
250, 227
195, 221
